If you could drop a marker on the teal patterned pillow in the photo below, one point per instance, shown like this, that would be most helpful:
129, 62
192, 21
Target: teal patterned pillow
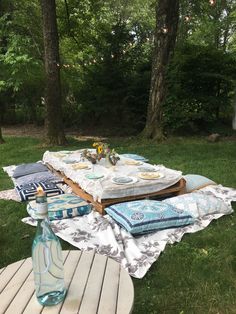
139, 217
199, 204
63, 206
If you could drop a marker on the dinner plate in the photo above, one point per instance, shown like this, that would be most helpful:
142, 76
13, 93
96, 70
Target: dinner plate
70, 161
133, 162
147, 169
81, 166
124, 180
59, 155
150, 175
135, 157
94, 176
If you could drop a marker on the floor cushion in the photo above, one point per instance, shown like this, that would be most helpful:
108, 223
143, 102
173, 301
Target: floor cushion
37, 177
199, 205
63, 206
28, 192
195, 182
24, 169
144, 216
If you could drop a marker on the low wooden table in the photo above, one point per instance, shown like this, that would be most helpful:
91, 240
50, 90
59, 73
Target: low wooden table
176, 189
96, 284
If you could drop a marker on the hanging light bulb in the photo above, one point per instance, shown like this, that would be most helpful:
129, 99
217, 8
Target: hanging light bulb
212, 2
187, 18
164, 30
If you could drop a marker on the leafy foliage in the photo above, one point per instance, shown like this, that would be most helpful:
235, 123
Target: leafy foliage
105, 52
201, 81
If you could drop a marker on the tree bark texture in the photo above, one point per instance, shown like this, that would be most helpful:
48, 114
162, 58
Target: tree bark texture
53, 120
167, 16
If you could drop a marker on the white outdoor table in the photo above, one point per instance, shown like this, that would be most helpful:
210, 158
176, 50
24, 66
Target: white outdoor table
96, 284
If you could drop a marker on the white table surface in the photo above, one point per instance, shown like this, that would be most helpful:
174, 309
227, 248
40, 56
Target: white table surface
96, 284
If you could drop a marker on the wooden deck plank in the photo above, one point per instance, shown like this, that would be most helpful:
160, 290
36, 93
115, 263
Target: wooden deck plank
76, 290
110, 288
11, 289
93, 288
125, 294
8, 273
23, 296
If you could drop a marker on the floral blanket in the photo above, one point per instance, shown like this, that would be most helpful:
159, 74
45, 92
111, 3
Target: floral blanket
135, 254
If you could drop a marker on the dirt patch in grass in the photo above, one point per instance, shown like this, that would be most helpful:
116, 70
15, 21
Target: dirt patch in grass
23, 130
38, 132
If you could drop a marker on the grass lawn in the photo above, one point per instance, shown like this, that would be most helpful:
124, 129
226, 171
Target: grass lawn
197, 275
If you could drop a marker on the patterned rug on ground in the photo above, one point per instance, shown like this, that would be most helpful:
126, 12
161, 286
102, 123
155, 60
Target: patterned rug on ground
135, 254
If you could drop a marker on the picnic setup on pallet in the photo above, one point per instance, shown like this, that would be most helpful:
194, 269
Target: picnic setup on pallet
116, 205
104, 184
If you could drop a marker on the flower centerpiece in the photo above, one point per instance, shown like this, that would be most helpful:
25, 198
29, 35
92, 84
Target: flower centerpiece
102, 151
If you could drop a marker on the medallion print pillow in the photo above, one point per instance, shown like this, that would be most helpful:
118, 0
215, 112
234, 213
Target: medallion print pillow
144, 216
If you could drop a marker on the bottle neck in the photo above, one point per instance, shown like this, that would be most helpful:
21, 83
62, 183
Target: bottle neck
42, 206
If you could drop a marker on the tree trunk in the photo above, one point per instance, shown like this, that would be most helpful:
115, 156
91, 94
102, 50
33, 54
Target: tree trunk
167, 16
53, 120
234, 117
1, 138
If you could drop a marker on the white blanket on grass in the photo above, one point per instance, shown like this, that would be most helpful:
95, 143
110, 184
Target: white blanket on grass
135, 254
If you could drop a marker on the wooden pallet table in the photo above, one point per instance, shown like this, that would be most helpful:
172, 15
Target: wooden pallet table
95, 284
176, 189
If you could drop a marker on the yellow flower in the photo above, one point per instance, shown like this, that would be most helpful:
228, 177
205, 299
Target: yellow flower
100, 148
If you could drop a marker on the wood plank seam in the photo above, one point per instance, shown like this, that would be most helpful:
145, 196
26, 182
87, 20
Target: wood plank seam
117, 297
102, 283
86, 282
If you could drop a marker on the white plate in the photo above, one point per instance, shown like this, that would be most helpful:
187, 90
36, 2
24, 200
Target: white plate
150, 175
70, 161
132, 162
81, 166
135, 157
124, 180
147, 169
94, 176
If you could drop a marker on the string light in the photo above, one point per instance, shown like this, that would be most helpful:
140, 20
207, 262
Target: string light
212, 2
164, 30
187, 18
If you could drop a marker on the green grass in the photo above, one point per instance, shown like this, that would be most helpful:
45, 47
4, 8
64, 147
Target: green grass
197, 275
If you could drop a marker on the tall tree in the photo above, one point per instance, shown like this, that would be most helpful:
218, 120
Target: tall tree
167, 16
53, 120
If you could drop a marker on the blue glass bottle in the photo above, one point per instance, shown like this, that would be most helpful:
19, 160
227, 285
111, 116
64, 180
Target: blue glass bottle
47, 258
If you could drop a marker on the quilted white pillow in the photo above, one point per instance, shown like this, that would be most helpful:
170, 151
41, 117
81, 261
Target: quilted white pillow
199, 205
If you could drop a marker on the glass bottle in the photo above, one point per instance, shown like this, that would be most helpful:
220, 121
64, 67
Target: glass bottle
47, 258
